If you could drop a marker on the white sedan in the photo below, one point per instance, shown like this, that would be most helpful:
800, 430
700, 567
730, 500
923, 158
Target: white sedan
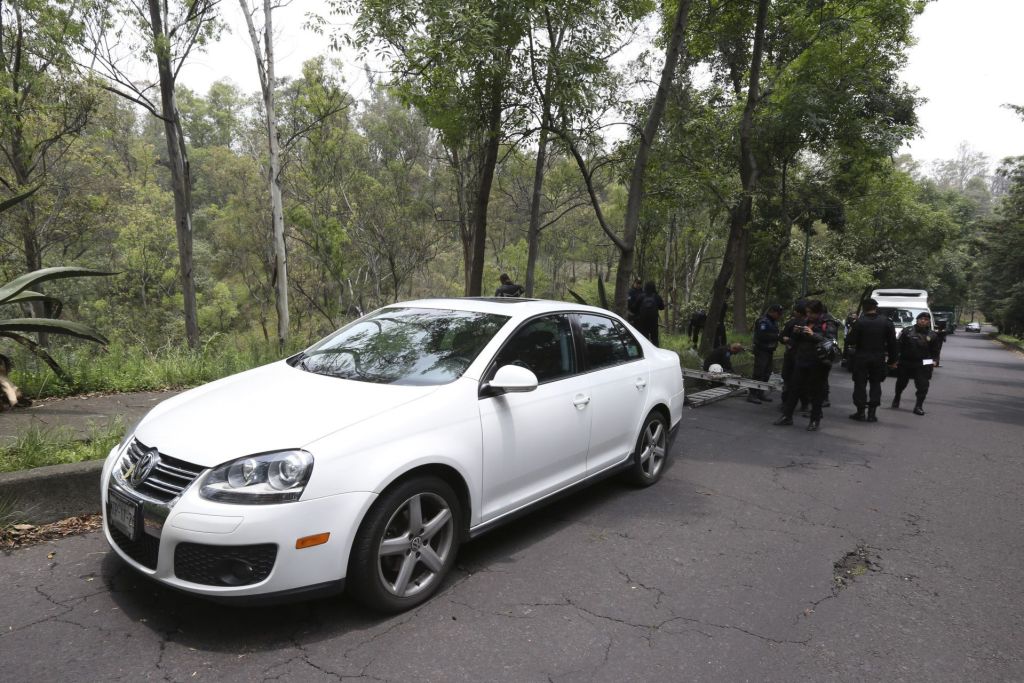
367, 459
973, 327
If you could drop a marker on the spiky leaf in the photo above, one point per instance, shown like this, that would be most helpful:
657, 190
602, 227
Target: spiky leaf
52, 327
23, 282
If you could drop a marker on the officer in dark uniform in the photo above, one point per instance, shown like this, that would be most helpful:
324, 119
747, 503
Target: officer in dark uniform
786, 337
919, 348
810, 370
766, 338
873, 337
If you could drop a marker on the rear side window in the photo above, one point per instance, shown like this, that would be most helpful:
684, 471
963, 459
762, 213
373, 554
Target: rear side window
607, 342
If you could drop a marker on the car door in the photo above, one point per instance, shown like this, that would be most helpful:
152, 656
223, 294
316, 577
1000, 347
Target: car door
535, 443
618, 377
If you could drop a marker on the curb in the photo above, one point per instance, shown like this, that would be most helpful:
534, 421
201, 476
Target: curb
46, 494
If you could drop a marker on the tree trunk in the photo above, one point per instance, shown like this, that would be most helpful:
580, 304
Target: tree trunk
736, 248
624, 275
181, 180
265, 67
533, 232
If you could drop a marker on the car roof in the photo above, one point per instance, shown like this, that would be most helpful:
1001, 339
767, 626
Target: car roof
507, 306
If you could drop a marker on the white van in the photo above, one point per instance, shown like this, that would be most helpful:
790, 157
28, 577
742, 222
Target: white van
902, 306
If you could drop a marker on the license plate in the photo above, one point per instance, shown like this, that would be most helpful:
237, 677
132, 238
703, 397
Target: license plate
123, 513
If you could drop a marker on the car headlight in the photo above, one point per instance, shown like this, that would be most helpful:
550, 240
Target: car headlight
269, 478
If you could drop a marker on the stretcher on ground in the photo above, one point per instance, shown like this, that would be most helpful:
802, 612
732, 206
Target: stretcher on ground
731, 385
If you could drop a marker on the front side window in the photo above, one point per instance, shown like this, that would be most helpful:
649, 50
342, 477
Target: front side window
412, 346
607, 342
545, 346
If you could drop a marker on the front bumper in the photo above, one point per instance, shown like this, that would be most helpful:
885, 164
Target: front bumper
266, 534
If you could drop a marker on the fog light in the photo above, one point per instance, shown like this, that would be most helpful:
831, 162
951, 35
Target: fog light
235, 572
310, 541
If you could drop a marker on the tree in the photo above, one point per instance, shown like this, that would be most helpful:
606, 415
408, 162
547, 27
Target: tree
166, 33
44, 105
264, 53
454, 62
626, 242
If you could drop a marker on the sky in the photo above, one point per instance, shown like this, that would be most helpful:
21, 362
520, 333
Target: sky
966, 63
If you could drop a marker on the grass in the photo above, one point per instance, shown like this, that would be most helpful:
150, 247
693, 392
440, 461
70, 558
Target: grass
39, 447
1011, 340
122, 368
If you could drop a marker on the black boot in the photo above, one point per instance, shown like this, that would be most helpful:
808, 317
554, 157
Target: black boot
871, 414
896, 401
784, 420
918, 409
812, 426
859, 415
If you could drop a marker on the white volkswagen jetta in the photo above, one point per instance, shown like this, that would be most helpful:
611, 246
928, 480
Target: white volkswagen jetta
367, 459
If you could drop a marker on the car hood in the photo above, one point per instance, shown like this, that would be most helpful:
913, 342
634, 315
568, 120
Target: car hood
270, 408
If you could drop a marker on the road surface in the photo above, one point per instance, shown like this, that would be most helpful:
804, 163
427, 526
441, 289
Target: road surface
890, 552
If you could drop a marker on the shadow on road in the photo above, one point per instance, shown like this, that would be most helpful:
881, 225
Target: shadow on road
209, 626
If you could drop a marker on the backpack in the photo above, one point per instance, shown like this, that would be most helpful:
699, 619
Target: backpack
647, 308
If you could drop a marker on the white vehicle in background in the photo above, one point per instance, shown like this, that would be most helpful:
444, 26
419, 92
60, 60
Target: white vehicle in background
974, 327
902, 306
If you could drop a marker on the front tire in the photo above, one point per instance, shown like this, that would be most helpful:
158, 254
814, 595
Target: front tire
406, 545
651, 452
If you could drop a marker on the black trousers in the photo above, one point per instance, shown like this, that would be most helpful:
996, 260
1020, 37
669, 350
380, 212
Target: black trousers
762, 365
720, 339
649, 330
809, 382
868, 369
921, 374
694, 333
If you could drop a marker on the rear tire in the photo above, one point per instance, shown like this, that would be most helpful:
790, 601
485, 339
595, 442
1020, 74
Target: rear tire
406, 545
651, 452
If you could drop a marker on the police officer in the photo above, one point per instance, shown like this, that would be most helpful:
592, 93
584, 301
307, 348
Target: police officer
810, 371
796, 316
766, 338
919, 348
873, 337
507, 287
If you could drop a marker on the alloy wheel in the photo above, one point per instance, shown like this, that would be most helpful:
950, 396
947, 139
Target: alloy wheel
415, 546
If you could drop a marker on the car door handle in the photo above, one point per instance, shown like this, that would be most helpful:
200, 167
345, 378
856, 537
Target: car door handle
581, 401
640, 383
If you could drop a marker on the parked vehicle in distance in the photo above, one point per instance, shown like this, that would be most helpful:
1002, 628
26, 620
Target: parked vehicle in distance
902, 306
973, 327
367, 459
945, 320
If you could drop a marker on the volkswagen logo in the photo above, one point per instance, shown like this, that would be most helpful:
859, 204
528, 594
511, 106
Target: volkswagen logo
145, 465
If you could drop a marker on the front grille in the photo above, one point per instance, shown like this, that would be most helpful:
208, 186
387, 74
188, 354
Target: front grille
167, 480
224, 565
145, 551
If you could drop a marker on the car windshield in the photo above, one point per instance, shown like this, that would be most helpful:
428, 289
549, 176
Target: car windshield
901, 317
412, 346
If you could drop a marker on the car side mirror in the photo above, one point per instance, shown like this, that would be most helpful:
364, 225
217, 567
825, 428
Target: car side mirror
510, 379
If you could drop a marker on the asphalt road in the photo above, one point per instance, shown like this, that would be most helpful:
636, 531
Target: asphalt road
726, 570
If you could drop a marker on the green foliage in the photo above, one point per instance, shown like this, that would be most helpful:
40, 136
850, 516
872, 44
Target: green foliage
38, 447
123, 367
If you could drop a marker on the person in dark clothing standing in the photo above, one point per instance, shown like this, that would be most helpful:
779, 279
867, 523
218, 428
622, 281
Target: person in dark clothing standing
809, 369
766, 338
796, 316
723, 356
873, 338
697, 320
919, 348
645, 312
507, 287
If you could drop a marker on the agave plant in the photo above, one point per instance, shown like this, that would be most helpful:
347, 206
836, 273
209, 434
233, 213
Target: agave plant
17, 292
